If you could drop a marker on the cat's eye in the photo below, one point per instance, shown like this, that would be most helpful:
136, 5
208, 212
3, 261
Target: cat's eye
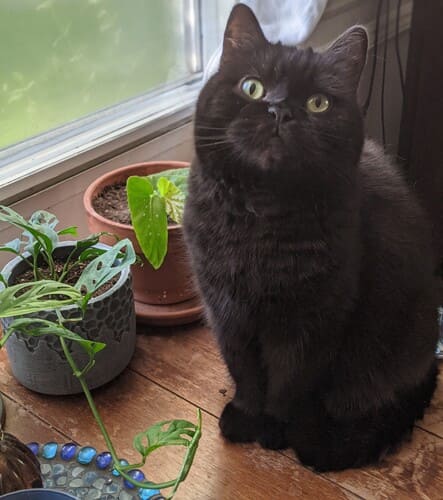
317, 103
252, 88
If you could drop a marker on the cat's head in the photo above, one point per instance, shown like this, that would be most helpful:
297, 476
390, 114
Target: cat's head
270, 106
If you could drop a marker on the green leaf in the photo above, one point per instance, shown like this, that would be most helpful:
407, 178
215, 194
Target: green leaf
33, 234
86, 243
12, 246
26, 298
42, 218
174, 199
176, 433
90, 253
45, 223
69, 230
148, 215
190, 454
37, 327
178, 176
105, 266
170, 433
139, 186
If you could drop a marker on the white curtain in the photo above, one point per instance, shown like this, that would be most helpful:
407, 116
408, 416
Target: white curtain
287, 21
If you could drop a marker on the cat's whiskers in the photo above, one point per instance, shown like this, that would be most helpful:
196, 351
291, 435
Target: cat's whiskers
209, 137
212, 144
203, 127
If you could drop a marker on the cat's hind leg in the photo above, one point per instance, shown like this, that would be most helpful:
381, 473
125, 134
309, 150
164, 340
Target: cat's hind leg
330, 443
238, 426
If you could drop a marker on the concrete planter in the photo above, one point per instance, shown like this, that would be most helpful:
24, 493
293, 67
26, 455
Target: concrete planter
39, 363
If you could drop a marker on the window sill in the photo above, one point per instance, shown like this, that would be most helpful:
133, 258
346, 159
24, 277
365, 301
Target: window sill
52, 157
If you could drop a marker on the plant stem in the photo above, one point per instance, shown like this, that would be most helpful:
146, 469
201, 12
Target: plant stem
24, 259
66, 267
5, 337
77, 372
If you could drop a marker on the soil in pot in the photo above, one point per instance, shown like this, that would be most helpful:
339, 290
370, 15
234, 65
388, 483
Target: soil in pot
70, 279
112, 203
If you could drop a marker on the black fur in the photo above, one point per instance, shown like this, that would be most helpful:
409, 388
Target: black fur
312, 257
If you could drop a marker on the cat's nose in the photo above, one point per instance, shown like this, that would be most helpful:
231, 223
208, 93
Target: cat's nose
281, 113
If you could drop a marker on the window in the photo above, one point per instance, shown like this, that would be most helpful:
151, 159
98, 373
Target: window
68, 59
83, 75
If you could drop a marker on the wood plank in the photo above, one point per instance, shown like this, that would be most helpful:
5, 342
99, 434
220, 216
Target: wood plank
187, 361
28, 427
221, 470
414, 472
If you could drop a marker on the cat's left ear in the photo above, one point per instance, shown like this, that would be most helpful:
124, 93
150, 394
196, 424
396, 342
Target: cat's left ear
348, 53
242, 32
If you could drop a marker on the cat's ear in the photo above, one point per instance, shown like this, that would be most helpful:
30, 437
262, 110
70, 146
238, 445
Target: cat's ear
348, 54
242, 30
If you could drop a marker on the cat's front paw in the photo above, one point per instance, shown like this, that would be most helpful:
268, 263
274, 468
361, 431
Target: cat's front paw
273, 434
237, 426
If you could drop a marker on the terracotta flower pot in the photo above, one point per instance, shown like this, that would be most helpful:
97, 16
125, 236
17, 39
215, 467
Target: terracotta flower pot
164, 296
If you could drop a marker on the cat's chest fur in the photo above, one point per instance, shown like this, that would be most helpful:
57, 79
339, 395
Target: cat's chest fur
256, 243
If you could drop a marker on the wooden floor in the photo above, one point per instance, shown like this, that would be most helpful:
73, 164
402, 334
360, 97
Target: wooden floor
174, 371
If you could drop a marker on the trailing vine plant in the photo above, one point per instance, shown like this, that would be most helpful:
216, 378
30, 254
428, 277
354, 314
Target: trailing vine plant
36, 246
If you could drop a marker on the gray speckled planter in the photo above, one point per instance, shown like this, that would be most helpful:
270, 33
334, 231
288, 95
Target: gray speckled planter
38, 362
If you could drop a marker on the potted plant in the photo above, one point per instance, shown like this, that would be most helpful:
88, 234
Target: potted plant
19, 304
109, 318
144, 203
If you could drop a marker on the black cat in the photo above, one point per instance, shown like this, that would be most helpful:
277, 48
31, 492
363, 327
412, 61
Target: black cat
312, 257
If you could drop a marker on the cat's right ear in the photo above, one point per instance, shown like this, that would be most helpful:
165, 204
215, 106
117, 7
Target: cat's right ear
242, 31
348, 54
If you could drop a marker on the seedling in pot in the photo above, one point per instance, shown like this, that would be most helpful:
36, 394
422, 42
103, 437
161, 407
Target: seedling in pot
152, 200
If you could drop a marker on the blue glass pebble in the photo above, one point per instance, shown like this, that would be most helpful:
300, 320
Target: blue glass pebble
146, 494
49, 450
115, 472
68, 451
86, 455
137, 475
103, 460
34, 447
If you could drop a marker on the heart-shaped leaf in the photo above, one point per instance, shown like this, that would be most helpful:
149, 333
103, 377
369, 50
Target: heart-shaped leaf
174, 199
148, 215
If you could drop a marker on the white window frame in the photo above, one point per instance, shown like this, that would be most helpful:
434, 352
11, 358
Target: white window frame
50, 157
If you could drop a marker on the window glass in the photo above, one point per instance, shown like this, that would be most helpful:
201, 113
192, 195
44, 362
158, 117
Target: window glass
63, 59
